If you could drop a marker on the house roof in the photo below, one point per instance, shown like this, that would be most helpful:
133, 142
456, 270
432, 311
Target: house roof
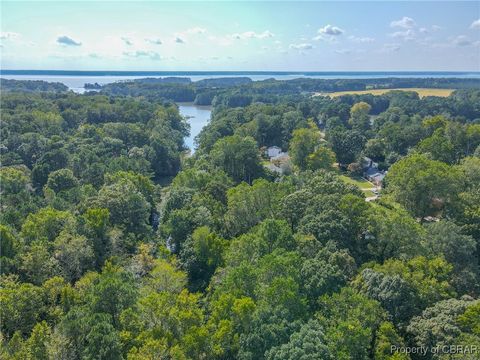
378, 177
371, 171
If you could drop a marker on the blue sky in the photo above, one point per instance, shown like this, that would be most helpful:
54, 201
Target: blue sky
303, 36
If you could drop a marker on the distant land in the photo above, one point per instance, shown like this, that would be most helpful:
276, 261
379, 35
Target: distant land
240, 73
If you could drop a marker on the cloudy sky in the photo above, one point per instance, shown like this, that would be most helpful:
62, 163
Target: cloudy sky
307, 36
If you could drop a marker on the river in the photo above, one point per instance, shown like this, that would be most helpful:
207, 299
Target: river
198, 117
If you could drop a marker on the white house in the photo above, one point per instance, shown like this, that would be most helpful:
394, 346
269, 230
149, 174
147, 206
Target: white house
273, 151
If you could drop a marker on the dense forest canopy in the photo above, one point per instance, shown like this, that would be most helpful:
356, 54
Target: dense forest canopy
116, 243
202, 92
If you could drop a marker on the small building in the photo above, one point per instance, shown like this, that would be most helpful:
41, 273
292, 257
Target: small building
280, 164
371, 171
273, 151
374, 175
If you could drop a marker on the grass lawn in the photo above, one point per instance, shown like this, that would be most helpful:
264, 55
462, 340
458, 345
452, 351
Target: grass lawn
369, 193
361, 183
422, 92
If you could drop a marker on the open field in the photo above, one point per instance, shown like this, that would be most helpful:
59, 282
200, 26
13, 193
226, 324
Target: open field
422, 92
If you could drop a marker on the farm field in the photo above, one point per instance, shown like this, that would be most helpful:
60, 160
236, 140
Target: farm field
422, 92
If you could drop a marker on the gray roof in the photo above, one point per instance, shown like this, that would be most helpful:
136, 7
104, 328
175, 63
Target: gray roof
372, 171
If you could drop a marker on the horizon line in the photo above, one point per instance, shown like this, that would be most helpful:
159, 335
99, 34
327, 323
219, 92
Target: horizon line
246, 72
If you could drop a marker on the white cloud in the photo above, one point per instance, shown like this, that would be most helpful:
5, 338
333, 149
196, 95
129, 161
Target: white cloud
9, 35
461, 40
364, 39
127, 41
343, 51
253, 35
303, 46
67, 41
328, 33
475, 24
405, 23
154, 41
152, 55
330, 30
406, 35
436, 27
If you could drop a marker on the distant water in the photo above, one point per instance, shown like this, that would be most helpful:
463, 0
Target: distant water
75, 80
198, 117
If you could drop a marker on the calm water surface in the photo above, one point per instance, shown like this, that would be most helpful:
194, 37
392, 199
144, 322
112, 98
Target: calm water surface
198, 117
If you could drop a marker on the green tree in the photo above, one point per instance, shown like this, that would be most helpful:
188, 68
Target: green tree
322, 158
392, 233
446, 238
439, 325
359, 118
423, 186
308, 344
327, 272
96, 227
238, 157
126, 205
201, 255
45, 225
74, 254
386, 338
250, 204
21, 306
351, 322
112, 292
61, 180
407, 287
102, 340
38, 343
303, 143
346, 144
438, 147
9, 246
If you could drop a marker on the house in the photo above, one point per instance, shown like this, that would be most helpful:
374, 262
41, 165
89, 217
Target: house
374, 175
371, 171
377, 179
273, 151
280, 164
